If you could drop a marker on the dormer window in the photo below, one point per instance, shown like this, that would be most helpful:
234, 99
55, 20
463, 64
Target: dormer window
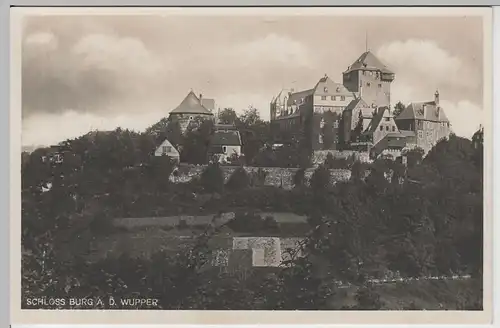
325, 89
338, 89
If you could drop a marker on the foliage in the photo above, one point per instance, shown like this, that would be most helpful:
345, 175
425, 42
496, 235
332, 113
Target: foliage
398, 108
252, 223
212, 178
430, 223
228, 116
320, 180
414, 156
238, 180
258, 178
299, 178
196, 142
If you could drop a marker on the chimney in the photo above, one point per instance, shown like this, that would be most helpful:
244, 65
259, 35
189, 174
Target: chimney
201, 97
436, 98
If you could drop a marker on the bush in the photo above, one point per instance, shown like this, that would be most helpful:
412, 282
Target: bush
253, 223
259, 178
238, 180
212, 178
299, 178
182, 225
320, 180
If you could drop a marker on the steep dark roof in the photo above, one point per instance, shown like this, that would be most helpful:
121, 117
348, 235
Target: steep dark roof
357, 102
368, 61
296, 97
379, 114
191, 105
222, 138
415, 110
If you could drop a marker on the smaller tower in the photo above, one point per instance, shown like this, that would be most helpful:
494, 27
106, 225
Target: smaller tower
436, 97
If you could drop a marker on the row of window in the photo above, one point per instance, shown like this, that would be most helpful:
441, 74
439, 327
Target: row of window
387, 128
320, 139
335, 124
333, 98
368, 84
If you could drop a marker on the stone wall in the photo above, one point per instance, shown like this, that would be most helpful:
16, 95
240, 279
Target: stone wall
278, 177
319, 156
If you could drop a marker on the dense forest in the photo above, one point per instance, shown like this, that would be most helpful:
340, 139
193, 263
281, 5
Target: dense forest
417, 220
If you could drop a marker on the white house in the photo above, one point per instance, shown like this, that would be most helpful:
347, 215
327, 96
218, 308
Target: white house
225, 144
167, 149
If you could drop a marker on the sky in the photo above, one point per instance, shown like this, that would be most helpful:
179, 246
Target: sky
100, 72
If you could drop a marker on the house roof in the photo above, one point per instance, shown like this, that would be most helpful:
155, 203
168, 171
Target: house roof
219, 126
333, 88
223, 138
415, 110
407, 133
379, 114
191, 105
389, 141
208, 103
366, 110
166, 142
298, 97
369, 61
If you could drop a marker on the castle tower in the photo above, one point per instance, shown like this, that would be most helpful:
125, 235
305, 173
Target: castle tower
370, 79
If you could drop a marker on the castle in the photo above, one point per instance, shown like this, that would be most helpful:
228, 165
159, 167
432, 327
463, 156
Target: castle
356, 114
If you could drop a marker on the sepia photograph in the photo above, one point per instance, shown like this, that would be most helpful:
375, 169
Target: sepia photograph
253, 159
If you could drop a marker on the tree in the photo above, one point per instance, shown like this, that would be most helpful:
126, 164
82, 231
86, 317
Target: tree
238, 180
398, 108
212, 178
320, 180
174, 133
228, 116
196, 142
414, 156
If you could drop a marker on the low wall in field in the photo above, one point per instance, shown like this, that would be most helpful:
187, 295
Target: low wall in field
276, 176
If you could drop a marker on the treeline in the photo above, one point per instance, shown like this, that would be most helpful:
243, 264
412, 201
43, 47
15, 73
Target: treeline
424, 219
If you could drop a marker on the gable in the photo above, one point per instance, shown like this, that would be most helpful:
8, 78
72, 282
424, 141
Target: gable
327, 86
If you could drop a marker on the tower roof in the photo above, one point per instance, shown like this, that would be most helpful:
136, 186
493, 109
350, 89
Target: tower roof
191, 105
369, 61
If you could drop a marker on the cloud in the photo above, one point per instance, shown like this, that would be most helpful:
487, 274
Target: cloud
120, 55
273, 49
41, 39
50, 129
98, 72
425, 60
465, 117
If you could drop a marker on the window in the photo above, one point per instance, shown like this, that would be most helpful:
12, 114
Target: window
320, 138
393, 129
334, 98
164, 150
381, 128
336, 124
336, 139
169, 149
190, 117
325, 89
342, 97
420, 134
323, 97
387, 128
368, 84
387, 119
224, 149
380, 85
